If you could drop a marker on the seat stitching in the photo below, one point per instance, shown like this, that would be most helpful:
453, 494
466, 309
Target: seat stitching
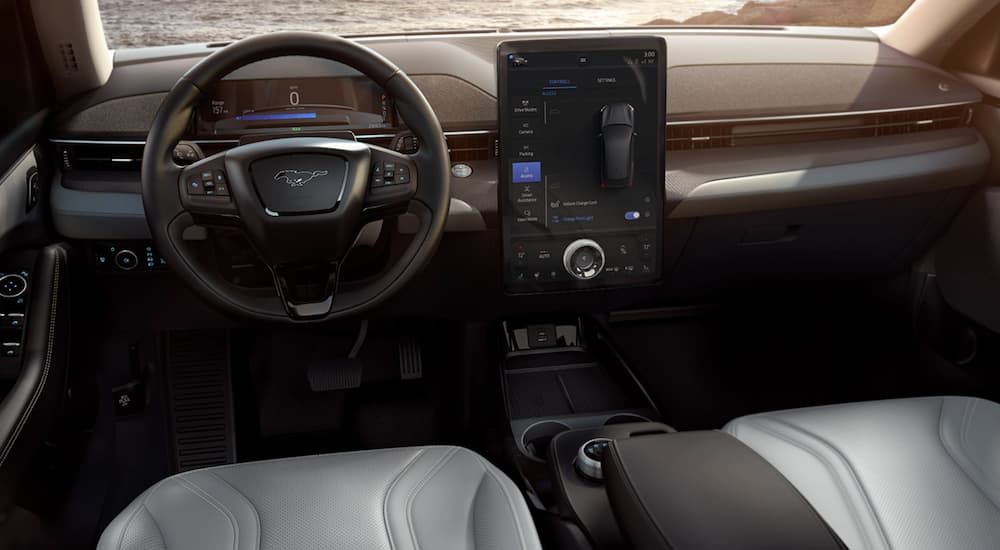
198, 491
473, 514
966, 419
419, 487
837, 479
142, 504
128, 523
253, 508
510, 500
388, 492
152, 518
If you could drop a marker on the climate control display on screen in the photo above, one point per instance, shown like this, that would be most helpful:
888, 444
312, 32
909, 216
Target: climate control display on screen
581, 162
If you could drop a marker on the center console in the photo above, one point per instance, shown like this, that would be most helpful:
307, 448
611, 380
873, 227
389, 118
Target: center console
581, 162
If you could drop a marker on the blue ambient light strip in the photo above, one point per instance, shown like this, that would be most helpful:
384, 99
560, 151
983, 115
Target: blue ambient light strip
277, 116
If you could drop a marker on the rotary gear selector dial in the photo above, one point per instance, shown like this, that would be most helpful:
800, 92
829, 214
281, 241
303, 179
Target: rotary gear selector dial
584, 259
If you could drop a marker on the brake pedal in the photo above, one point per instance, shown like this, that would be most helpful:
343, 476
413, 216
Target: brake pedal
336, 374
411, 365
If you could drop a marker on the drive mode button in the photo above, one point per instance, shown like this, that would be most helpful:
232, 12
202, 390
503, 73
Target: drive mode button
526, 107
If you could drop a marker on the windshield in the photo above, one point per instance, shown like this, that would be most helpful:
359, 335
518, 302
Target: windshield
134, 23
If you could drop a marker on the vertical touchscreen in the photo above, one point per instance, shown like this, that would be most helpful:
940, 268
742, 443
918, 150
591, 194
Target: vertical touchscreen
581, 162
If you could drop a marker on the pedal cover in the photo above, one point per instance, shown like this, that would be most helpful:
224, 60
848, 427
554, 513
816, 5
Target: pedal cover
411, 365
201, 399
337, 374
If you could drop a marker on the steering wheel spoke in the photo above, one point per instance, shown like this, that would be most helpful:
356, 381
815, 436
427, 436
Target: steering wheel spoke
307, 290
392, 184
206, 190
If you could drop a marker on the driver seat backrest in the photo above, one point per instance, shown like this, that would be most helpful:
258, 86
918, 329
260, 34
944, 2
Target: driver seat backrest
388, 499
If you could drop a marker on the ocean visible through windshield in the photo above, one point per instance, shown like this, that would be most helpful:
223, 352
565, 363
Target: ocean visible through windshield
135, 23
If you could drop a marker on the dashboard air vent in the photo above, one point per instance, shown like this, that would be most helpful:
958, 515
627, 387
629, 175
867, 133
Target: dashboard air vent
714, 135
101, 157
472, 146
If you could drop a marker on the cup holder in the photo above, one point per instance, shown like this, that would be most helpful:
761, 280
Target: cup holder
625, 418
535, 440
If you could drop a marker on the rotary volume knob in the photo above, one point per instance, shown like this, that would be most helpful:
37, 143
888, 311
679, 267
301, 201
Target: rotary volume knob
584, 259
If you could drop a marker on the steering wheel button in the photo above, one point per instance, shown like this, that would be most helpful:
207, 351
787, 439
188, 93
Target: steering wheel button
378, 181
195, 187
222, 189
12, 286
220, 177
377, 169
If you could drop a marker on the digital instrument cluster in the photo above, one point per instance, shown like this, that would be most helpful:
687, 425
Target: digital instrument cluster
581, 162
237, 107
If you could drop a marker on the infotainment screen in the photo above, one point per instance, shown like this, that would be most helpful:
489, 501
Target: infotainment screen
581, 161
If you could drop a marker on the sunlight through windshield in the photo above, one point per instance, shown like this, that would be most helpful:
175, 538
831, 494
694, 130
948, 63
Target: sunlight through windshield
132, 23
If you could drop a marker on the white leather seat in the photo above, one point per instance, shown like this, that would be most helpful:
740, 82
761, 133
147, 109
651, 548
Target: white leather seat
392, 499
909, 474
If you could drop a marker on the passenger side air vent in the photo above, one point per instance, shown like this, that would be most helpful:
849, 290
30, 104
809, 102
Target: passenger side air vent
713, 135
116, 157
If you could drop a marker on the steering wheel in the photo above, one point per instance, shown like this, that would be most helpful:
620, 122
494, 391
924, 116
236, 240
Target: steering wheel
301, 201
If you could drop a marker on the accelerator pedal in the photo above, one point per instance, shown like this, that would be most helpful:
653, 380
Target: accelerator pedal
339, 374
411, 364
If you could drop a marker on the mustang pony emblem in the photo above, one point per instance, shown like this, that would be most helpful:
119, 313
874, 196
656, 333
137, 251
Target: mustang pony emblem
298, 178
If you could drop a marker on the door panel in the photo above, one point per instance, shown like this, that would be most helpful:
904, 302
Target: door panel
14, 190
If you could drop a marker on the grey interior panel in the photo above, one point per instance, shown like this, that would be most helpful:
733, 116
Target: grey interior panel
958, 166
462, 218
97, 215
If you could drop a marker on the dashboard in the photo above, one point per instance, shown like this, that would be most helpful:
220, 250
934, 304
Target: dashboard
581, 162
765, 155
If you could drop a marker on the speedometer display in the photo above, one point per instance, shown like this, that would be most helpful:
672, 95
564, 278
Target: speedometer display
236, 107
